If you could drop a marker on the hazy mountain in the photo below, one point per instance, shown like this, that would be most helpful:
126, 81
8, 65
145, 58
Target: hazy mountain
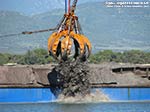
107, 28
30, 7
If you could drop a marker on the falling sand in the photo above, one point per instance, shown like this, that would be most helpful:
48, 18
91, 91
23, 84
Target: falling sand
75, 85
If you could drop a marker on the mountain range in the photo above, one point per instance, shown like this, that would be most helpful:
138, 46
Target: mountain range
118, 29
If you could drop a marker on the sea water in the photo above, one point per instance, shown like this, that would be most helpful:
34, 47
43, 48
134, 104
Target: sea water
76, 107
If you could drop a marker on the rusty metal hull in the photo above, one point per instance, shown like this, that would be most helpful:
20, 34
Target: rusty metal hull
101, 75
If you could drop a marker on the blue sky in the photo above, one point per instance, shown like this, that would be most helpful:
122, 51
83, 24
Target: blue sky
30, 7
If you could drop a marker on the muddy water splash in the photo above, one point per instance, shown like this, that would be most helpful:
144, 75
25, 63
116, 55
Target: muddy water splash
95, 97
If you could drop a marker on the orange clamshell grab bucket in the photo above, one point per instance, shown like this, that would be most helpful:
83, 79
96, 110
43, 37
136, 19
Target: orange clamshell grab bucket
67, 37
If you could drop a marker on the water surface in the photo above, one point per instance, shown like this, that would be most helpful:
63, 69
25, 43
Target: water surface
85, 107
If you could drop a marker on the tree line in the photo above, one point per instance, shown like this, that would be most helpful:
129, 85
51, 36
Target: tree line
132, 56
38, 56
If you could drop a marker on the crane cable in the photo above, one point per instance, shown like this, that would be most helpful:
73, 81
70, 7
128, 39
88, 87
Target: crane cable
68, 6
39, 31
9, 35
27, 32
